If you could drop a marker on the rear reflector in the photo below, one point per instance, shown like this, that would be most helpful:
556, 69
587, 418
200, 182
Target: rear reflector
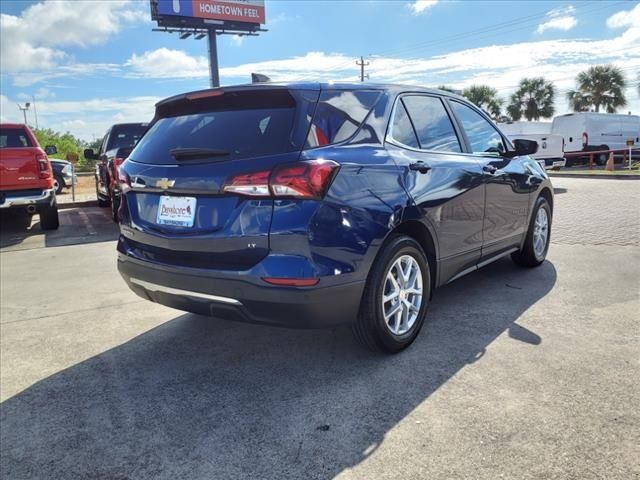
308, 179
292, 282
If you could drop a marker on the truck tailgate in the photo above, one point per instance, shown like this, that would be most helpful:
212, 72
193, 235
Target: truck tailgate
19, 168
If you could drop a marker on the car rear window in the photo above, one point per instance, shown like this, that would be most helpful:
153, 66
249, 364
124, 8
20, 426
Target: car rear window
251, 123
14, 138
254, 123
126, 135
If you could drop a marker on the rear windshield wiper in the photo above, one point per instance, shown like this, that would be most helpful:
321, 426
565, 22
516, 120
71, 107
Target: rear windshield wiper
187, 153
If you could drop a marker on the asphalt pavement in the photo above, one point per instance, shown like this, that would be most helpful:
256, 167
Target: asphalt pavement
517, 373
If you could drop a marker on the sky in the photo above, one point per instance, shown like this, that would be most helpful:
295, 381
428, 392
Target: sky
89, 64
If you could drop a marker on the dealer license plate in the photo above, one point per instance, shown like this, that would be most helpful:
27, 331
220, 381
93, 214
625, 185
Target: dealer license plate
178, 211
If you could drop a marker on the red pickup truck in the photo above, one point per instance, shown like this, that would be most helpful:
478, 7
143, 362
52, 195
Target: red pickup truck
26, 178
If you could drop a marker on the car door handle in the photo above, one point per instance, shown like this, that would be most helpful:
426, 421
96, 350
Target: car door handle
490, 169
419, 166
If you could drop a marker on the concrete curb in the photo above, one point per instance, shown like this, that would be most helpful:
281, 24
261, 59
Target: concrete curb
597, 176
87, 203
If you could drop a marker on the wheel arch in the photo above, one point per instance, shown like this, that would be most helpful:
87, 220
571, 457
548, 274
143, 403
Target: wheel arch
421, 234
548, 196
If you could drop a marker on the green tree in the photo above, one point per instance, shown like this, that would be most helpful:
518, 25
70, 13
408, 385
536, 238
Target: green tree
601, 86
65, 143
484, 97
533, 100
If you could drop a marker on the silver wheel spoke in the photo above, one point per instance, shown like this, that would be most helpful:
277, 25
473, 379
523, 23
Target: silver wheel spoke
395, 309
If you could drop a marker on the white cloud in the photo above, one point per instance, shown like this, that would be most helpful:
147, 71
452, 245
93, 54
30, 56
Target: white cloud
25, 79
32, 41
625, 18
86, 119
420, 6
559, 19
237, 40
167, 63
40, 94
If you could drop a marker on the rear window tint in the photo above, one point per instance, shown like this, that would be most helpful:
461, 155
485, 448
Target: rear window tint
402, 131
14, 138
244, 124
338, 115
126, 135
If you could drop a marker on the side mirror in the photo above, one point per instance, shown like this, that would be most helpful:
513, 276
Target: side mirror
524, 147
89, 155
50, 150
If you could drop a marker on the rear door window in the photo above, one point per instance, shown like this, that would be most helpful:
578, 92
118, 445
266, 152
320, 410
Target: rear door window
401, 129
242, 124
338, 115
432, 123
14, 138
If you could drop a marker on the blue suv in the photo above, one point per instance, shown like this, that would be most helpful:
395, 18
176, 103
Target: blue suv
312, 205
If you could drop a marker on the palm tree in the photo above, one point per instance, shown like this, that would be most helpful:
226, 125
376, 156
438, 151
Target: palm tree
484, 97
599, 86
447, 88
533, 99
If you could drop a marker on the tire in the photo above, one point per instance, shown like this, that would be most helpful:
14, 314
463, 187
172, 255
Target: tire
532, 254
115, 206
601, 160
102, 202
49, 217
58, 184
370, 328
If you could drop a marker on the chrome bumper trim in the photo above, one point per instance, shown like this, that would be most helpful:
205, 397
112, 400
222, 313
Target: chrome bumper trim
153, 287
27, 199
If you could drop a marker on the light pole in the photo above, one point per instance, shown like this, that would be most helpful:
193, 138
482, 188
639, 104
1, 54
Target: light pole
24, 110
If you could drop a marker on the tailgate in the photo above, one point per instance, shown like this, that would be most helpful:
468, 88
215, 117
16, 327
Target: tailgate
19, 168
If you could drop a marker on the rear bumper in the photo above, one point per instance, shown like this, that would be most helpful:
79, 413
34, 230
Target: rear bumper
9, 200
550, 163
241, 296
69, 180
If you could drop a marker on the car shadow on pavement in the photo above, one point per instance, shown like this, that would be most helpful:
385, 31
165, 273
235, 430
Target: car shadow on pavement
77, 226
203, 398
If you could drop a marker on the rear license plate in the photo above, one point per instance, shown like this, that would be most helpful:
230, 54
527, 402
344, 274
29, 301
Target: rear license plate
178, 211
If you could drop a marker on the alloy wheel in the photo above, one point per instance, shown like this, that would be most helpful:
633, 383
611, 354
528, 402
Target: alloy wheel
402, 295
540, 232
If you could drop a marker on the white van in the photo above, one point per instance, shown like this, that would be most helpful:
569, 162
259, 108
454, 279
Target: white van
590, 131
550, 152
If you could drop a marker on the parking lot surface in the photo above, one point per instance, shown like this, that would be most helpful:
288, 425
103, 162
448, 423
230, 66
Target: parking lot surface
517, 373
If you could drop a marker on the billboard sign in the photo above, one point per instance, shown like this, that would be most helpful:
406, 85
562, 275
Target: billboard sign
233, 11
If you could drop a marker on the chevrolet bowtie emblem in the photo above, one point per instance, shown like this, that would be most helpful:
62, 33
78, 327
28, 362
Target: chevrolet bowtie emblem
165, 183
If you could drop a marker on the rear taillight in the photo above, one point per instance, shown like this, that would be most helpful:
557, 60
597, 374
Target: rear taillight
563, 144
44, 167
123, 179
254, 184
116, 166
303, 179
308, 180
585, 139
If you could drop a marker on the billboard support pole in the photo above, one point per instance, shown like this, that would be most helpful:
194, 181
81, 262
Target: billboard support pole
213, 58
